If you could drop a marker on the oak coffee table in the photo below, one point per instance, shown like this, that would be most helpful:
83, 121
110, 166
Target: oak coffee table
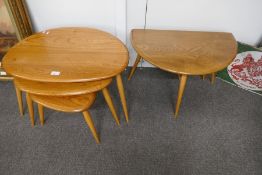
184, 52
68, 55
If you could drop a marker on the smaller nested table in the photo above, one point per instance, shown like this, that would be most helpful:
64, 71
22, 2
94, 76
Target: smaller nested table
184, 52
64, 90
66, 97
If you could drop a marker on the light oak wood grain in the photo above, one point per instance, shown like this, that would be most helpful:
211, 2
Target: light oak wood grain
19, 100
91, 125
185, 52
76, 103
138, 59
64, 90
181, 89
67, 55
79, 54
110, 104
60, 89
41, 113
30, 109
121, 91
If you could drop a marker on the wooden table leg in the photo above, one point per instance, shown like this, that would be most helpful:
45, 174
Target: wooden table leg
41, 113
110, 104
30, 109
19, 100
213, 78
182, 85
203, 77
90, 123
138, 59
179, 76
122, 94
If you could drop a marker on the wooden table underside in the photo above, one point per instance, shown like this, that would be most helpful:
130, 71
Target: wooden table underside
184, 52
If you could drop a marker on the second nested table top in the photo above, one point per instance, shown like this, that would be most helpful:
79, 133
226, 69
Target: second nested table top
60, 89
185, 52
67, 55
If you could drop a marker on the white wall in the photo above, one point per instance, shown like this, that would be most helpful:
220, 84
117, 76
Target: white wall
108, 15
243, 18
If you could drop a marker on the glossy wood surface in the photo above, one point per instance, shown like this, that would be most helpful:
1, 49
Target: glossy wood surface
185, 52
76, 103
138, 59
91, 125
110, 104
182, 85
79, 54
30, 109
61, 89
121, 91
67, 104
19, 100
41, 113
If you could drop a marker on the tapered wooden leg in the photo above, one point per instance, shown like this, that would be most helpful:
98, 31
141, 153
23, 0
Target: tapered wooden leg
182, 85
213, 78
179, 76
122, 94
19, 100
30, 108
90, 123
41, 113
203, 77
138, 59
110, 104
